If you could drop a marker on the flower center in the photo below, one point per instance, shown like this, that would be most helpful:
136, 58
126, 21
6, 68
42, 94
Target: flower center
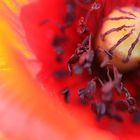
119, 38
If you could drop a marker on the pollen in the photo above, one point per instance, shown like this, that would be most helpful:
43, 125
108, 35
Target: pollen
119, 39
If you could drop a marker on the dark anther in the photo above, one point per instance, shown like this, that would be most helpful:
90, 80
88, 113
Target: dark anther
81, 91
66, 93
59, 50
60, 73
90, 56
99, 108
77, 69
91, 86
70, 7
73, 59
69, 18
82, 94
70, 14
88, 59
80, 49
57, 40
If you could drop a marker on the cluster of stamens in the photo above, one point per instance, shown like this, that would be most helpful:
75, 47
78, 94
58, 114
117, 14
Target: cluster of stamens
102, 101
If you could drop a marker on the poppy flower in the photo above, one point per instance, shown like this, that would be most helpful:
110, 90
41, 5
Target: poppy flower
34, 77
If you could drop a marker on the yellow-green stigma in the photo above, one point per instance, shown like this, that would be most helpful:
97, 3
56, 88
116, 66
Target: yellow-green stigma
119, 38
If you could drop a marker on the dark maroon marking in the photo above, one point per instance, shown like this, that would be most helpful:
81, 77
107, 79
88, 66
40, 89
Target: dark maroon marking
66, 94
115, 30
126, 12
131, 48
119, 18
109, 54
121, 40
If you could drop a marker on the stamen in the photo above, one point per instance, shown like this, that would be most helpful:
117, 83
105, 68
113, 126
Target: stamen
84, 57
94, 6
108, 75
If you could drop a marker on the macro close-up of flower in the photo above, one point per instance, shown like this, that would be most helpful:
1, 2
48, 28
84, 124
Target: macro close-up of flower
69, 70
